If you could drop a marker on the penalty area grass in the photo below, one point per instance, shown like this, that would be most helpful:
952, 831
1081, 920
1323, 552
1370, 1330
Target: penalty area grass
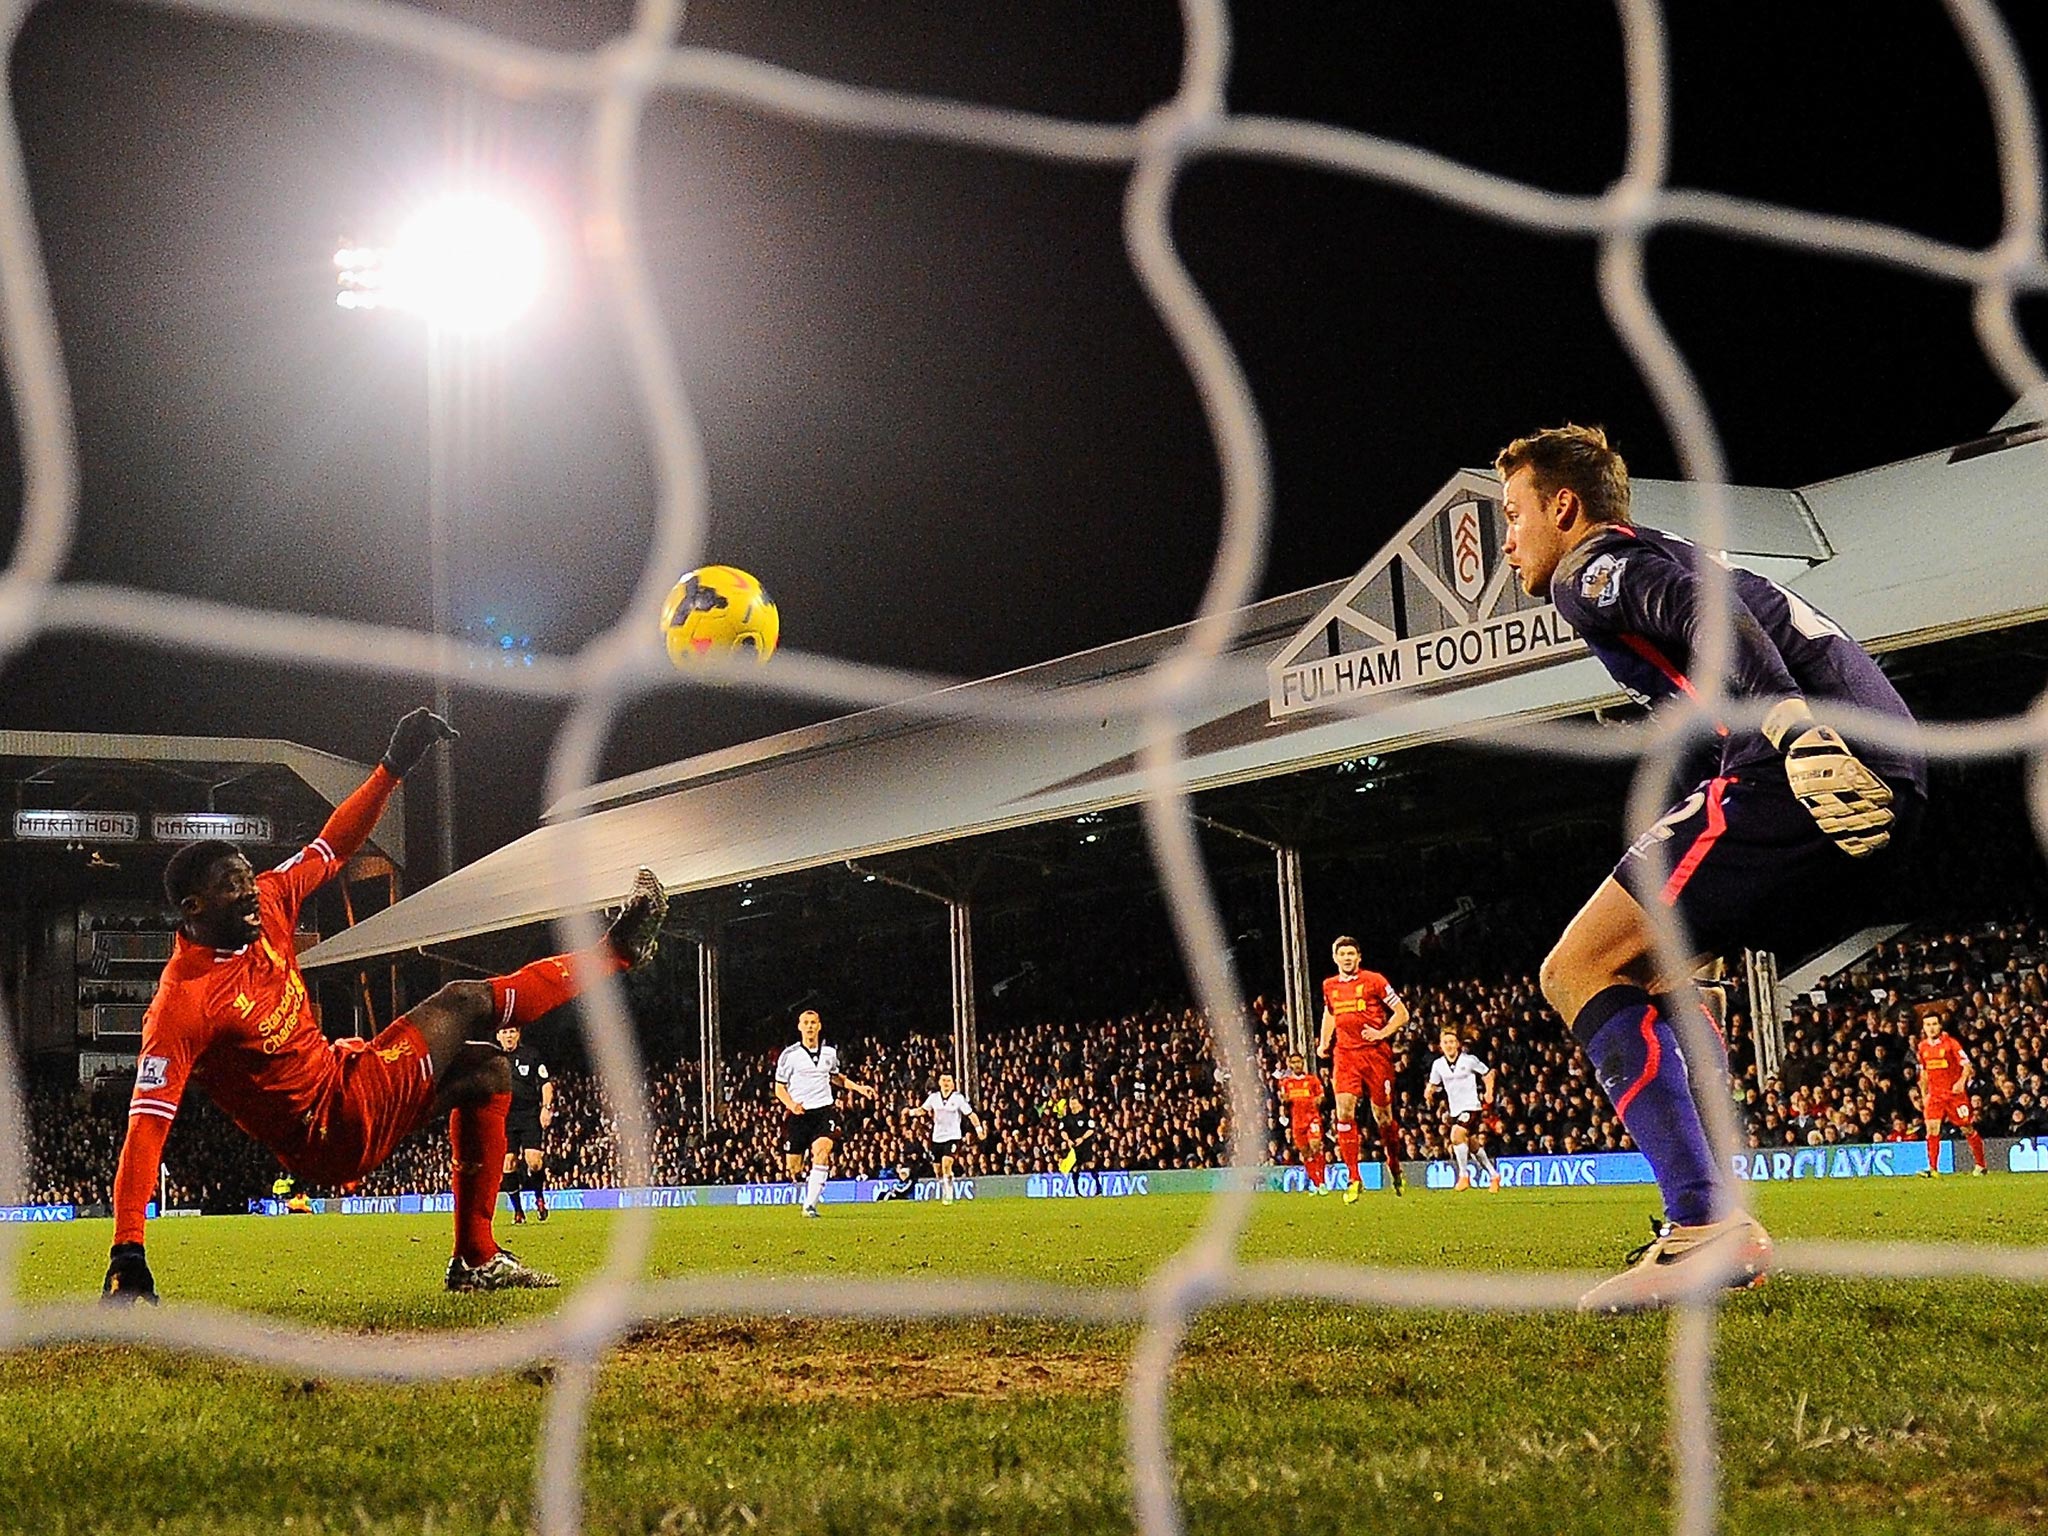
1851, 1406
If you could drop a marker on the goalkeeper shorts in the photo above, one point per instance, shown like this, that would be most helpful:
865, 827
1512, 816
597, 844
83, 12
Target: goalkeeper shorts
1747, 867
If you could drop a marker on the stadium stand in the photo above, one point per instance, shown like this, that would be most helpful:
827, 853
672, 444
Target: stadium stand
1847, 1076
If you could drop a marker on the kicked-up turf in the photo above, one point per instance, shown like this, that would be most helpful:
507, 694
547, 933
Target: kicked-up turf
1856, 1407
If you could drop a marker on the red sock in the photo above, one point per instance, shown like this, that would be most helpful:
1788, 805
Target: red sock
477, 1135
545, 985
1390, 1143
1347, 1148
1976, 1147
1316, 1163
1934, 1154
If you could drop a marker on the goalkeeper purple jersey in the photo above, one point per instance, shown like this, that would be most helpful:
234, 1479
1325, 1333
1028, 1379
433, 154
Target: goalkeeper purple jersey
1632, 594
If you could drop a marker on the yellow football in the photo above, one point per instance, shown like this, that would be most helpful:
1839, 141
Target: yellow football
718, 608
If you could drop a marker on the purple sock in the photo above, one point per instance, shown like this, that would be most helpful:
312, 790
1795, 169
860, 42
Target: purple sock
1714, 1067
1635, 1055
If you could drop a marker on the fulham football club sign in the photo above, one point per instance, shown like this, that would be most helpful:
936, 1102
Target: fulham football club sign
1439, 605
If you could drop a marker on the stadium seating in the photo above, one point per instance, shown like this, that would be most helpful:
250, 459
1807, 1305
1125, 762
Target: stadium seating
1847, 1076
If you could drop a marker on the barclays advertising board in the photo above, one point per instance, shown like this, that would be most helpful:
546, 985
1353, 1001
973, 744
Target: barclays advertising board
1086, 1186
1883, 1160
38, 1213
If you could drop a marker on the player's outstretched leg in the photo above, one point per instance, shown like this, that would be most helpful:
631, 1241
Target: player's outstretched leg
544, 985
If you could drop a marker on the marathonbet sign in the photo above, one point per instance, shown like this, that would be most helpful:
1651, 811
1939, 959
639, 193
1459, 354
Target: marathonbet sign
1438, 605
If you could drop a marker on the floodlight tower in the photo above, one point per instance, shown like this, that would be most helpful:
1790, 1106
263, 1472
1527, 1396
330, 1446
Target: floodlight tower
468, 265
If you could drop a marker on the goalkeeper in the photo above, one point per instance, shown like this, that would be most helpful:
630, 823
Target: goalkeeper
1797, 834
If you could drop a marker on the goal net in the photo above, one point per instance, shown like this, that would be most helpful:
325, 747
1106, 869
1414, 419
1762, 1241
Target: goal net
617, 82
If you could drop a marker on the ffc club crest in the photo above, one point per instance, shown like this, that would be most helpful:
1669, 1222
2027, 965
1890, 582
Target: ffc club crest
1468, 551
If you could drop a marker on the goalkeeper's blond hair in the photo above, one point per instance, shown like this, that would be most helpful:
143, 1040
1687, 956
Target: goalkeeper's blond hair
1574, 458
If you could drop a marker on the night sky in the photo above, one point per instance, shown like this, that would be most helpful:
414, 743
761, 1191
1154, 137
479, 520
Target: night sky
944, 427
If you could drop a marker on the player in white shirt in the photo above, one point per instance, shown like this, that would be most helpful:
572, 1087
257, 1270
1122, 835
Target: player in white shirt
1466, 1083
948, 1107
805, 1076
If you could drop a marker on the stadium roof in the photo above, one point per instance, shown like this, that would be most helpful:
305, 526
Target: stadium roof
82, 757
1922, 550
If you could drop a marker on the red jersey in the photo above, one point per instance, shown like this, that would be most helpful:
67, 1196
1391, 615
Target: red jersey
240, 1025
1303, 1096
1361, 1002
1941, 1062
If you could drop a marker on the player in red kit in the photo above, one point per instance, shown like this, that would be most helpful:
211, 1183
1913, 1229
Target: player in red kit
232, 1015
1361, 1015
1945, 1092
1302, 1092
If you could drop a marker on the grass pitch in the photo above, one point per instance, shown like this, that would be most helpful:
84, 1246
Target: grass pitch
1850, 1407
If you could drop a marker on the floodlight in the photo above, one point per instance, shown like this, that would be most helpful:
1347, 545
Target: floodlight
462, 263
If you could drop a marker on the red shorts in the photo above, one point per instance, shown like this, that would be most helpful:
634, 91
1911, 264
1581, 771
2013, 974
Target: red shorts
1366, 1071
385, 1094
1950, 1107
1308, 1133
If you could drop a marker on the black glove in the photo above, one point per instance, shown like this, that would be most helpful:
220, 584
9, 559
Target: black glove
128, 1277
414, 739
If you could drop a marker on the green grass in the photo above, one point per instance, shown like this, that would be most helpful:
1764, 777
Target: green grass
1859, 1407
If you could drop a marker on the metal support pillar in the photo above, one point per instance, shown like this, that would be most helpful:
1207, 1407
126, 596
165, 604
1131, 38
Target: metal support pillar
1301, 1021
1766, 1011
960, 943
708, 1048
960, 918
1296, 996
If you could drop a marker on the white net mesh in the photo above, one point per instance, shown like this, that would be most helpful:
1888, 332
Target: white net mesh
616, 81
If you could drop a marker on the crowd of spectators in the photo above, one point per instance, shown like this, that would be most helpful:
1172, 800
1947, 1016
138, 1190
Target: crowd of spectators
1148, 1080
1849, 1073
1151, 1082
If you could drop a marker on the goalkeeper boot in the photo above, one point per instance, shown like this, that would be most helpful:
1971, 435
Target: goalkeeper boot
501, 1272
635, 934
1684, 1263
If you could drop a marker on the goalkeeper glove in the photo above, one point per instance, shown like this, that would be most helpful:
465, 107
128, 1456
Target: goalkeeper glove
413, 739
1851, 804
128, 1277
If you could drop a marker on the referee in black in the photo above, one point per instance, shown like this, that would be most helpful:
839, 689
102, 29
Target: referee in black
526, 1125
